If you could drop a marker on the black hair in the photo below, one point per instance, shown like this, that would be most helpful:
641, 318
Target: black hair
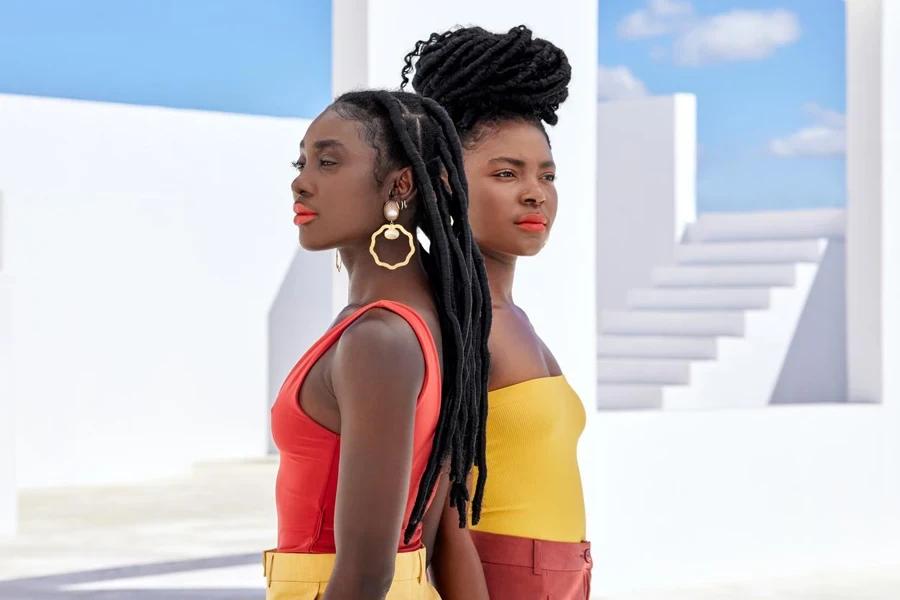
409, 130
483, 78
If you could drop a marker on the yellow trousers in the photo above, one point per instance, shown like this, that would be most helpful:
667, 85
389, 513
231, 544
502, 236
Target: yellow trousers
304, 576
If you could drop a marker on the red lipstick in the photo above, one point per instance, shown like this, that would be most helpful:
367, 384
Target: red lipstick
533, 223
303, 215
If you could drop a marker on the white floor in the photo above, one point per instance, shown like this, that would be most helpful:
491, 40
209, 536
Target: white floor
201, 537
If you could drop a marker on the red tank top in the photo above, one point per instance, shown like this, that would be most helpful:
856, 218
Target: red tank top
306, 486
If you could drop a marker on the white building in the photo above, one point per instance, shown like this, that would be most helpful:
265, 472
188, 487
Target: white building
146, 286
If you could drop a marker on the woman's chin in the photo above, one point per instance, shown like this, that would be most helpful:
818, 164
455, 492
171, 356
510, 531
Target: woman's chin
313, 243
531, 248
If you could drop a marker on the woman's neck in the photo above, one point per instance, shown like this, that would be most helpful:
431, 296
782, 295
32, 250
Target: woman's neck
370, 282
501, 272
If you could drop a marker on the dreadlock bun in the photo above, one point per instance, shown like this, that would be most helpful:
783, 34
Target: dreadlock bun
481, 77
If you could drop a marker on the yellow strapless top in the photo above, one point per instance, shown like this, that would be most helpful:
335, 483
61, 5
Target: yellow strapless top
534, 485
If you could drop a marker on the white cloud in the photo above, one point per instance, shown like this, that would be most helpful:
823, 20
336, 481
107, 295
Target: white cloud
670, 8
618, 83
659, 18
827, 137
725, 37
736, 35
818, 140
830, 118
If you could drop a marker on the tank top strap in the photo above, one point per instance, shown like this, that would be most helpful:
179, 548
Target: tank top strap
414, 319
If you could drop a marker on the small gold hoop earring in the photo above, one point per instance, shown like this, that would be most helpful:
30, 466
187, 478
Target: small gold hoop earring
391, 232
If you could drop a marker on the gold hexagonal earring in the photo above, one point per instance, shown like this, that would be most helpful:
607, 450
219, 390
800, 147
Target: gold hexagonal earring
392, 231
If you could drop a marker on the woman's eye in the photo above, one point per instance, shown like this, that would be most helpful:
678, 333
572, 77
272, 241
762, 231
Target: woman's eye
506, 174
550, 176
298, 165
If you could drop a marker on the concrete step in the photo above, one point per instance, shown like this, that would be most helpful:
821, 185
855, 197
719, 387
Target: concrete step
786, 251
775, 225
643, 371
697, 323
648, 346
724, 276
618, 396
700, 298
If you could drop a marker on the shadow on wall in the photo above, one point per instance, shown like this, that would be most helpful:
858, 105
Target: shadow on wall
815, 369
300, 314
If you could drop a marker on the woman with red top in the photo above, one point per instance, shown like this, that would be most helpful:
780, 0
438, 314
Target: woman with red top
385, 414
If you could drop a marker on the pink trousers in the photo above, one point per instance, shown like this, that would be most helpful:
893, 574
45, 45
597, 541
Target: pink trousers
523, 569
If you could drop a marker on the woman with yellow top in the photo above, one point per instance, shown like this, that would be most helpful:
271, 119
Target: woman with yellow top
500, 89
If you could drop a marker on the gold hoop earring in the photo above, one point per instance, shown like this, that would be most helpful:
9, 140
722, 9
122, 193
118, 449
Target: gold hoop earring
337, 260
392, 231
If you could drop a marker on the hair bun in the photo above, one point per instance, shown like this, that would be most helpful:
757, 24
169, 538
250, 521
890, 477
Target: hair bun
476, 75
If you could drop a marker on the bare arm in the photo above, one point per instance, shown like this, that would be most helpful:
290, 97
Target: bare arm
432, 519
376, 374
455, 564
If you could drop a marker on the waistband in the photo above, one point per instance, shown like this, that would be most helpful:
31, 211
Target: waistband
316, 568
536, 554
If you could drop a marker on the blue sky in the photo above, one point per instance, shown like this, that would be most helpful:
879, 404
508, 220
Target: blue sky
769, 78
769, 75
269, 57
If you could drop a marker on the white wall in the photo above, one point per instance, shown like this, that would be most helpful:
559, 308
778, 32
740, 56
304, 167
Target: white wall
557, 288
741, 494
148, 245
646, 189
815, 368
8, 498
890, 225
299, 315
867, 75
729, 495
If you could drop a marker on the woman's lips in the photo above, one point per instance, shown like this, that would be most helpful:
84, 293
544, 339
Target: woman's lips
303, 215
533, 223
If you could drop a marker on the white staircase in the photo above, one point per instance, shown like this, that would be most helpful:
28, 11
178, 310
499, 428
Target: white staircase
714, 329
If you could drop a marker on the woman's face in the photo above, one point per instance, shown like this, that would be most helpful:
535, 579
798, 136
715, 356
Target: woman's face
337, 201
512, 194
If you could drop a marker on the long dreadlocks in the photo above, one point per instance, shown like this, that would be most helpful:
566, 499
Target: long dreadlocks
406, 129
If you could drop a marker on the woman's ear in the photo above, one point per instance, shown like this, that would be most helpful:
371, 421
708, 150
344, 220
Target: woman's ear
403, 187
